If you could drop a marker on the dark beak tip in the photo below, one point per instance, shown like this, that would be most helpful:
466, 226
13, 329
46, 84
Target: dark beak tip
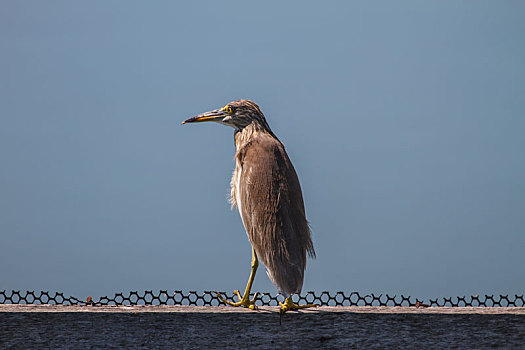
188, 121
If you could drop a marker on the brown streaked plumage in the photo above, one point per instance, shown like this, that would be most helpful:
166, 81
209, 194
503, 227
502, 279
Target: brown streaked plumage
266, 190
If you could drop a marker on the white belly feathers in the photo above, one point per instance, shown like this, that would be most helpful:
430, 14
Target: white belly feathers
238, 171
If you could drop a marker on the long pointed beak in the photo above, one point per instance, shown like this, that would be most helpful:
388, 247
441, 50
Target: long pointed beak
211, 116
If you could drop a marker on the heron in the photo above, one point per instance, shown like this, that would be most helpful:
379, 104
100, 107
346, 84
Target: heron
266, 191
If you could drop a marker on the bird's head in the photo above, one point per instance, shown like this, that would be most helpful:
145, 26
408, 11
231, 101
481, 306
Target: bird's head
237, 114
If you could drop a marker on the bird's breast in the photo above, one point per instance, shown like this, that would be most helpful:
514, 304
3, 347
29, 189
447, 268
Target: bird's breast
237, 181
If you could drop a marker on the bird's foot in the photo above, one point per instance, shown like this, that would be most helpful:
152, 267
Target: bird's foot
290, 305
243, 300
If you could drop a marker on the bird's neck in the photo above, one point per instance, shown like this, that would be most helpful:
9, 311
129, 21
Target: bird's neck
245, 135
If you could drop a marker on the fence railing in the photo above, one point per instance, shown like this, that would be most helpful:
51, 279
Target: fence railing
208, 298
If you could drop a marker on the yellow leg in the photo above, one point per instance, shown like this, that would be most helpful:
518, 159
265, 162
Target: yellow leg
245, 299
290, 305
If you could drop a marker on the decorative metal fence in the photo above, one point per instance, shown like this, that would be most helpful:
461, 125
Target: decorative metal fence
207, 298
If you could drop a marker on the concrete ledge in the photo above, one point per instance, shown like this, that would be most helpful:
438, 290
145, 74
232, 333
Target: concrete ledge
190, 327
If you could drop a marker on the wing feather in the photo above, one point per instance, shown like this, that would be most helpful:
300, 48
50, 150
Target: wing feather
272, 211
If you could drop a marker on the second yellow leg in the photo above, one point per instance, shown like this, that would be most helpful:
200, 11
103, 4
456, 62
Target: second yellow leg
290, 305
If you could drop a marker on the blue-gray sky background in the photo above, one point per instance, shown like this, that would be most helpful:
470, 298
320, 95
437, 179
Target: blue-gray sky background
404, 120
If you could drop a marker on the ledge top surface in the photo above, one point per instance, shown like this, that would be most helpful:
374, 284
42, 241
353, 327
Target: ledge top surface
260, 310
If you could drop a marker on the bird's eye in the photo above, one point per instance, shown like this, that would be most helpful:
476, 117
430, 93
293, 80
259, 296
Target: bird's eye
227, 109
